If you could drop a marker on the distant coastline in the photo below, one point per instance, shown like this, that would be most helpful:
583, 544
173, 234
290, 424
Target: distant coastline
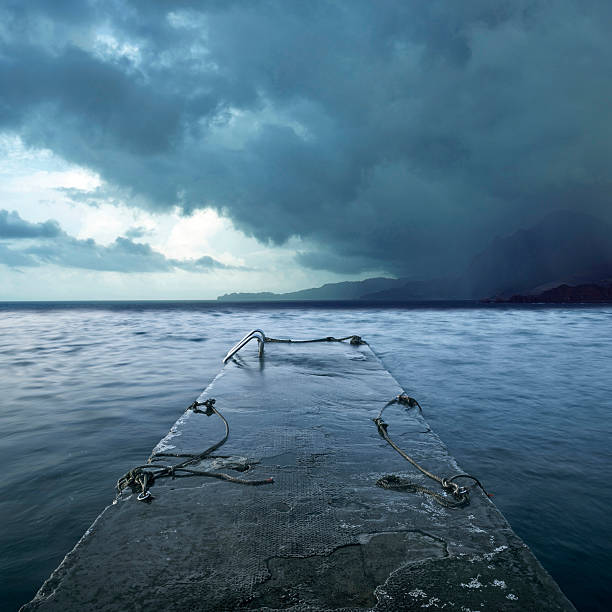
566, 257
588, 293
584, 293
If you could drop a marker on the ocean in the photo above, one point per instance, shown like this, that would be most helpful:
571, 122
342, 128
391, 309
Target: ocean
521, 395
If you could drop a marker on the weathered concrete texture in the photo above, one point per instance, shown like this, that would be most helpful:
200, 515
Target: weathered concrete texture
323, 536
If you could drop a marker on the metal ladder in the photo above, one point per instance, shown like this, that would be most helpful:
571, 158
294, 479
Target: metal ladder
256, 334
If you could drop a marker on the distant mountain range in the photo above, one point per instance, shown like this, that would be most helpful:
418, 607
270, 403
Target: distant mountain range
349, 290
565, 247
588, 293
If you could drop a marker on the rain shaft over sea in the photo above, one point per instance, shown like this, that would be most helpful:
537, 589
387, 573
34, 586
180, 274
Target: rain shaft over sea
522, 397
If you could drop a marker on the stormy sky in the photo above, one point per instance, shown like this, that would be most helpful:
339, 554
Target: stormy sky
188, 148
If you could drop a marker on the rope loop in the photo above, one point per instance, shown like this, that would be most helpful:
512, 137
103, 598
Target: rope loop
406, 400
453, 488
209, 403
140, 477
460, 494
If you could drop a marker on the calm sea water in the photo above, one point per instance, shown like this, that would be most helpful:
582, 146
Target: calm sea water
522, 397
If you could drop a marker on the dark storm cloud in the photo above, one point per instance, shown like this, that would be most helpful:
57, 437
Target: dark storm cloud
25, 244
393, 135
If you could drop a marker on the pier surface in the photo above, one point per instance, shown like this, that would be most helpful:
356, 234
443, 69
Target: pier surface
323, 536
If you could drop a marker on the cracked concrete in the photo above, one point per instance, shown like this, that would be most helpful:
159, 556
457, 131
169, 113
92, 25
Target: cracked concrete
349, 575
323, 536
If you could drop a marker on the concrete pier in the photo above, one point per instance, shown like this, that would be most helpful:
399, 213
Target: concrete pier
323, 536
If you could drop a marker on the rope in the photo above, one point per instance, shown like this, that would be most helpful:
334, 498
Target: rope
397, 483
142, 476
355, 340
261, 338
461, 495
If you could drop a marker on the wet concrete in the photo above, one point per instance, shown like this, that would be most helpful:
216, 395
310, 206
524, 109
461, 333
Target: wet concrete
323, 536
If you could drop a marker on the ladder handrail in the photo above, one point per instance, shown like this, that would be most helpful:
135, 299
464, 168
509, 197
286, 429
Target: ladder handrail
248, 336
256, 334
